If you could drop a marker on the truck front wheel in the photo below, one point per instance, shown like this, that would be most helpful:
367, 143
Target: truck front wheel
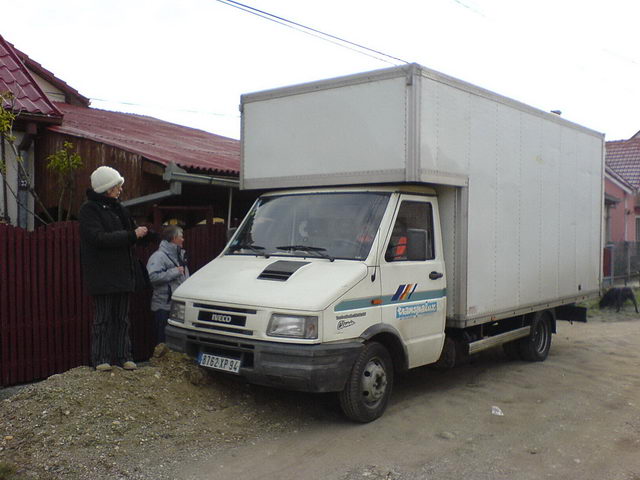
535, 347
366, 394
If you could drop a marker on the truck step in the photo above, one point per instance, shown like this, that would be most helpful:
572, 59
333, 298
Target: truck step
491, 342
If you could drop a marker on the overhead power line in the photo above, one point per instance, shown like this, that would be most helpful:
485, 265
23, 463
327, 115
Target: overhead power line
341, 42
162, 107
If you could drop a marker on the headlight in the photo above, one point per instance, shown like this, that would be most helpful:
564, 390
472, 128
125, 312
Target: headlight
293, 326
177, 311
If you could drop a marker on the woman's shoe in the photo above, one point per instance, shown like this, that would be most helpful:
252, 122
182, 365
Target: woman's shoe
129, 365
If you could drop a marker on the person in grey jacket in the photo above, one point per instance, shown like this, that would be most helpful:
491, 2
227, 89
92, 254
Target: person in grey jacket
167, 269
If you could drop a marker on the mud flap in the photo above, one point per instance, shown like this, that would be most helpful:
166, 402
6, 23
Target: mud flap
571, 313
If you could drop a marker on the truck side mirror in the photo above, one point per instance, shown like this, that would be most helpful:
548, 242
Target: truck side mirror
416, 244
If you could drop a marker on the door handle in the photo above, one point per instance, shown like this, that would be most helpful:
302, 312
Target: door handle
435, 275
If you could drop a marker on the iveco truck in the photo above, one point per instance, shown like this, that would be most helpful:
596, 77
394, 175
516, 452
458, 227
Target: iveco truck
410, 219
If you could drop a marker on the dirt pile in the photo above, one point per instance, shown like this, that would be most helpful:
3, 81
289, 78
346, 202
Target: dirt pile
134, 424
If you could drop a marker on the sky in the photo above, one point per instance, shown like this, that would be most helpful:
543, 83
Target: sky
188, 61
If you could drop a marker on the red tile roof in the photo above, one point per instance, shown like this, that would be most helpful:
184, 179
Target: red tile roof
623, 156
30, 100
154, 139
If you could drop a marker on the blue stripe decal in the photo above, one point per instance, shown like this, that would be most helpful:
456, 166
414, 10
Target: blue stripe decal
398, 293
388, 299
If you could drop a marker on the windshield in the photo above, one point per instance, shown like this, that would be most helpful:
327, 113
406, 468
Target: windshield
329, 225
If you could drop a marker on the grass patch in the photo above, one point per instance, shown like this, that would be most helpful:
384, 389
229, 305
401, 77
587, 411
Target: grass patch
609, 314
7, 471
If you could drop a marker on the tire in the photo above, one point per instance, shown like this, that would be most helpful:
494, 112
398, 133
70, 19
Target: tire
368, 389
535, 347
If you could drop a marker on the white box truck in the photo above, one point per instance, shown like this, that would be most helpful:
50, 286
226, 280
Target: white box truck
410, 219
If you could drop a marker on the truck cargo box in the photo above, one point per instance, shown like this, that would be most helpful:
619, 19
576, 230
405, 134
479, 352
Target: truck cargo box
521, 191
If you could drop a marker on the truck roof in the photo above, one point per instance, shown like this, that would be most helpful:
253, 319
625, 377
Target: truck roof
417, 189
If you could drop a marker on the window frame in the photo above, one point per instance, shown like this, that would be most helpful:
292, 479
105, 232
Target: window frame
430, 229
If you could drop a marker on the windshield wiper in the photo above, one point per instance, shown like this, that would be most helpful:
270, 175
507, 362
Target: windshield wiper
322, 252
246, 246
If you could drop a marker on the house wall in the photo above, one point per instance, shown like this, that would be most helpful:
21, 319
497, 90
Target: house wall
11, 187
53, 93
622, 216
142, 177
93, 155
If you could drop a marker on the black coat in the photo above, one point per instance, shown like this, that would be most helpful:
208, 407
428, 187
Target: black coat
106, 239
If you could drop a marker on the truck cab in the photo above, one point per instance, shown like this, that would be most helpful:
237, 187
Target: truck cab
309, 279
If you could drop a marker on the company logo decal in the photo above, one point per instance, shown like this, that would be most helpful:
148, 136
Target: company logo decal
351, 315
412, 311
216, 317
342, 324
404, 292
345, 321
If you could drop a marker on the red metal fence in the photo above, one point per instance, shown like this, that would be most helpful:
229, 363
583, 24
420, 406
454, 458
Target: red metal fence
45, 316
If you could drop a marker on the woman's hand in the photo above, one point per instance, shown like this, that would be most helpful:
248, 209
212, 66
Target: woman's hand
141, 232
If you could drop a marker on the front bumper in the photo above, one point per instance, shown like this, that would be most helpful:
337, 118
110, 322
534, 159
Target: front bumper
307, 368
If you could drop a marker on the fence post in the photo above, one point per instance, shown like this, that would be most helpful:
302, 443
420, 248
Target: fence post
4, 307
613, 264
627, 252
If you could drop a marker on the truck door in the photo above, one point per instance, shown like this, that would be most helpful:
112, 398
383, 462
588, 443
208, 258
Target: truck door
413, 281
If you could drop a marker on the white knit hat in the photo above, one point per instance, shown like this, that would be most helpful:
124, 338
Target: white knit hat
104, 178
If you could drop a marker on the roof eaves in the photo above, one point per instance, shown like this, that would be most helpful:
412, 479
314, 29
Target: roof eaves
620, 180
611, 199
126, 146
33, 117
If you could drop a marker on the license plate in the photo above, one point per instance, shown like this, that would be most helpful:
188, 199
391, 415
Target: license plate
220, 363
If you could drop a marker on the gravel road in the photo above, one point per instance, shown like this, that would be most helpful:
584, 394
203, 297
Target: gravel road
574, 416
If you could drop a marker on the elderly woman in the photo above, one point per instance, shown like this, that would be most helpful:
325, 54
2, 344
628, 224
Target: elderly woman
107, 236
167, 269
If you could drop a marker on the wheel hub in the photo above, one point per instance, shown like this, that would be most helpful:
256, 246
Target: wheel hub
540, 337
374, 381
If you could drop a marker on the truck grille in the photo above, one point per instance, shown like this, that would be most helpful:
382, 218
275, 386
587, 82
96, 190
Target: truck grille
222, 318
217, 328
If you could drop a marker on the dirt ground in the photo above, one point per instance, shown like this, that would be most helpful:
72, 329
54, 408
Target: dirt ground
574, 416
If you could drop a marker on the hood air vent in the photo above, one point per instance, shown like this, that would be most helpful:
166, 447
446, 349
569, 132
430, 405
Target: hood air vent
281, 270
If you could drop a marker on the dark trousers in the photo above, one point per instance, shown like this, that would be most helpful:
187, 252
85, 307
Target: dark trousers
110, 333
160, 318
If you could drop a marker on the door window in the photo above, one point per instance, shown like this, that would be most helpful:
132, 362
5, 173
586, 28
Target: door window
411, 216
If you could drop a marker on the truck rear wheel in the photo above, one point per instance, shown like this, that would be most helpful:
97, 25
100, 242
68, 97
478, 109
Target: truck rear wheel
535, 347
366, 394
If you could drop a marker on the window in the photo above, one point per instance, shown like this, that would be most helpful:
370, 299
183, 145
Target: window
412, 216
607, 223
338, 225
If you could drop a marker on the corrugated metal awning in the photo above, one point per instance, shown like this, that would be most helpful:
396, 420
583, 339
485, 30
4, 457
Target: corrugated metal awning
155, 139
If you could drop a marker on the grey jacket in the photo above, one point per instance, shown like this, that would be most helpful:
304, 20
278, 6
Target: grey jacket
164, 274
